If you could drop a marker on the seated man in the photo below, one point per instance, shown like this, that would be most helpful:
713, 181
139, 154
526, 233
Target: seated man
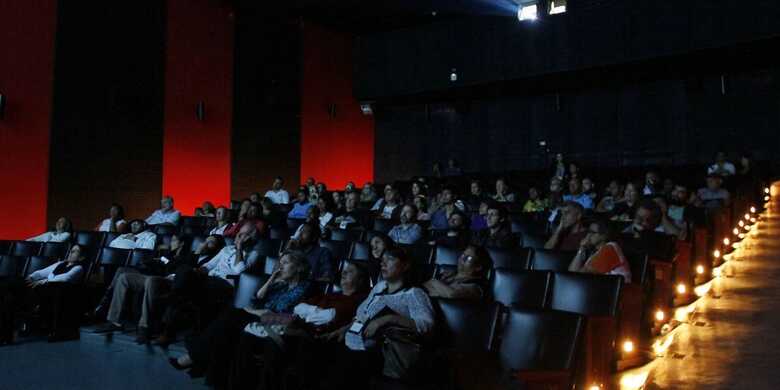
320, 259
646, 236
250, 217
598, 254
570, 231
408, 231
576, 195
350, 216
468, 281
502, 192
653, 183
166, 214
300, 206
277, 194
139, 237
61, 233
447, 205
667, 225
721, 167
712, 196
498, 233
457, 235
389, 207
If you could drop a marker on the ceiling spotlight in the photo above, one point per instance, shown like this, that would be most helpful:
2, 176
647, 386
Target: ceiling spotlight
527, 10
557, 7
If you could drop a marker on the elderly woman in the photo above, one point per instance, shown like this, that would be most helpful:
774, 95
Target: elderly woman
61, 233
209, 352
46, 288
309, 329
599, 255
393, 312
468, 281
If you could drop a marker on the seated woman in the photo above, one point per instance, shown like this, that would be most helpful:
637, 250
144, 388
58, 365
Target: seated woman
421, 202
47, 289
598, 254
251, 216
209, 352
379, 244
625, 209
61, 233
307, 330
468, 281
115, 221
394, 311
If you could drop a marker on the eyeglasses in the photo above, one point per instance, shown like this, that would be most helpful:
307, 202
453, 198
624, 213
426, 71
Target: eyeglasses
466, 258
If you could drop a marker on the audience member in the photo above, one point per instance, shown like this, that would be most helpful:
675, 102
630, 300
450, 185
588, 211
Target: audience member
535, 203
559, 167
206, 210
467, 281
612, 195
211, 351
350, 215
440, 218
139, 237
645, 237
589, 189
408, 231
300, 206
457, 234
502, 192
600, 254
321, 261
338, 201
367, 194
574, 171
250, 217
312, 217
61, 233
389, 207
166, 214
421, 202
652, 183
115, 221
223, 221
270, 214
453, 169
277, 194
48, 290
379, 244
712, 196
625, 209
350, 187
479, 219
570, 231
498, 233
325, 206
576, 195
667, 224
255, 197
721, 167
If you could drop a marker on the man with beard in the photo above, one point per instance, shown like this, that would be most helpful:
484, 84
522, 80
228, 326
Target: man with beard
408, 231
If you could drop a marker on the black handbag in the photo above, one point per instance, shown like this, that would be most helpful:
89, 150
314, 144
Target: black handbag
402, 352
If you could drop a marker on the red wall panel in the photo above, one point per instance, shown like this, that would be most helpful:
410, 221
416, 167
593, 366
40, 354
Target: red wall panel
333, 150
199, 67
27, 30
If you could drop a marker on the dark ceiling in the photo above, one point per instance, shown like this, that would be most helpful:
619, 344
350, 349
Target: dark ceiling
364, 16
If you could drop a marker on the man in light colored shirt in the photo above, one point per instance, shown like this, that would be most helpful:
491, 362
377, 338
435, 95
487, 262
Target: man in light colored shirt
234, 259
722, 167
277, 194
300, 207
407, 232
576, 195
61, 232
713, 196
166, 213
223, 221
139, 237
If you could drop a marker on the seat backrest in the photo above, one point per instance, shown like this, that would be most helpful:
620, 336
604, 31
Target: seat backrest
446, 255
165, 229
25, 248
540, 340
516, 259
191, 231
586, 294
36, 263
268, 247
360, 251
469, 326
5, 247
108, 237
88, 239
383, 225
420, 253
345, 235
247, 287
195, 243
278, 233
140, 256
194, 221
534, 241
293, 224
113, 256
57, 250
339, 249
12, 265
551, 260
530, 289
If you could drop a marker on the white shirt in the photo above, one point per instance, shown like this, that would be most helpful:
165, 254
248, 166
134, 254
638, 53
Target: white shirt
51, 237
387, 211
143, 240
224, 263
278, 197
158, 217
73, 274
412, 303
727, 166
219, 231
105, 226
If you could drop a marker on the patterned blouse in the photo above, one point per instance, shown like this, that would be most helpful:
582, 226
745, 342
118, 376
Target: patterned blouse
411, 303
282, 299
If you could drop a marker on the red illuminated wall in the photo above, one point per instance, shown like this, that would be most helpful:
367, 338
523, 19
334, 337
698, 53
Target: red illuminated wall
199, 66
333, 150
27, 31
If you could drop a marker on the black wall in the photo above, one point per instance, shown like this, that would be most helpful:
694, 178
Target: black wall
106, 136
266, 121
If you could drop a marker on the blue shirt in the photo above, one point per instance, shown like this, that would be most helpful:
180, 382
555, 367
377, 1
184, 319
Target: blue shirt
321, 262
583, 199
405, 235
439, 220
282, 299
299, 210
